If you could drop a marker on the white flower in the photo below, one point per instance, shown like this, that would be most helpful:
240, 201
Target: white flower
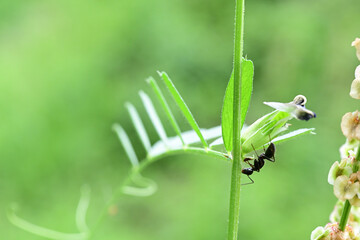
296, 108
350, 125
356, 44
333, 173
344, 188
355, 201
357, 72
355, 89
319, 233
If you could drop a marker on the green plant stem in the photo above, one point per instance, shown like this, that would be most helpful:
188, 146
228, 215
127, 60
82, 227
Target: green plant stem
347, 206
345, 215
234, 209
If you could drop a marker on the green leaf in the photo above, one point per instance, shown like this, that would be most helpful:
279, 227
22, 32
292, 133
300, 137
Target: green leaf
247, 73
165, 106
293, 134
139, 126
182, 105
153, 116
227, 115
125, 141
190, 138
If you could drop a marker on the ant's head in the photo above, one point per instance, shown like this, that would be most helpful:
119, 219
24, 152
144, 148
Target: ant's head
247, 171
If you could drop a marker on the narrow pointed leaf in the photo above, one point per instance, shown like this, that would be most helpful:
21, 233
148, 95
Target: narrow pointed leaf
189, 137
182, 105
125, 141
165, 106
227, 115
294, 134
139, 126
150, 109
247, 74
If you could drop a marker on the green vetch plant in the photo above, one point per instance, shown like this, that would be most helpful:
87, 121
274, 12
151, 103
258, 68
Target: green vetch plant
238, 141
345, 176
270, 127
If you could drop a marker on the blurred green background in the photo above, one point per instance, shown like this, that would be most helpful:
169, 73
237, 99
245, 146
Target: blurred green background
68, 67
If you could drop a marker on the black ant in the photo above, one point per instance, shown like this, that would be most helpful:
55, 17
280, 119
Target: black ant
269, 154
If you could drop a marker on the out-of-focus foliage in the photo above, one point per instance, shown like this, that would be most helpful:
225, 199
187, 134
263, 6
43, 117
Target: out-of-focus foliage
68, 67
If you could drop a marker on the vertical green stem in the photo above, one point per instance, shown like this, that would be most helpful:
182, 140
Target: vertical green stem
234, 209
347, 206
345, 215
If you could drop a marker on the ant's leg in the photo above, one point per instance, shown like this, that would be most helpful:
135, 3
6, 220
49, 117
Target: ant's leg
270, 159
249, 182
246, 160
255, 150
273, 158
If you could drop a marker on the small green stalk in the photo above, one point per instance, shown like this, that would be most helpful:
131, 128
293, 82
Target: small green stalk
234, 209
345, 215
347, 206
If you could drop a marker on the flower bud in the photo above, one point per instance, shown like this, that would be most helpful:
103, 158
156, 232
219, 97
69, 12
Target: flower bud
355, 89
350, 125
356, 44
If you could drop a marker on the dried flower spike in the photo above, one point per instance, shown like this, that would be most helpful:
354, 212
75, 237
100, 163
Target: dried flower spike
350, 125
356, 44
